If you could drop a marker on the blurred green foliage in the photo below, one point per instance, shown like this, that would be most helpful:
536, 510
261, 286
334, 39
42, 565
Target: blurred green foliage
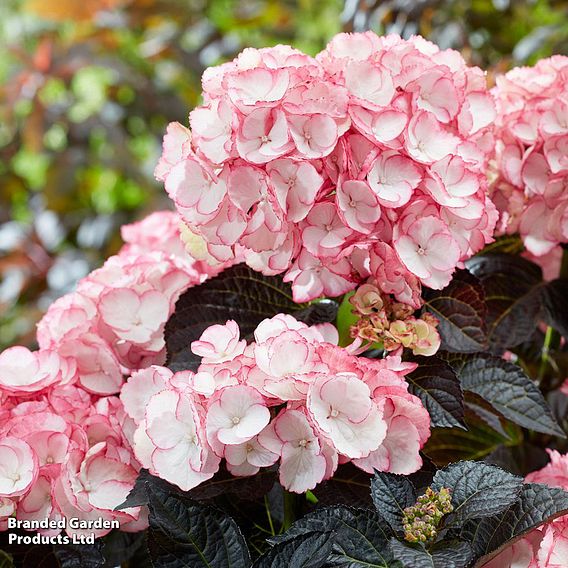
88, 86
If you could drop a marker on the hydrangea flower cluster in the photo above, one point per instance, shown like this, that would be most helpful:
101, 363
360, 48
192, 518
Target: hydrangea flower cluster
292, 396
547, 546
368, 159
530, 188
392, 323
65, 439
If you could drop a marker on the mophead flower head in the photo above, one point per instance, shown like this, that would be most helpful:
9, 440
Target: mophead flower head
368, 159
530, 169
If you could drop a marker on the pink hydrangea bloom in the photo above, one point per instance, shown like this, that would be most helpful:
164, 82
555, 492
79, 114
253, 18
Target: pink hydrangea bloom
530, 166
141, 386
343, 410
24, 372
171, 442
554, 473
303, 464
247, 458
309, 166
219, 343
19, 467
67, 441
176, 146
522, 554
553, 550
292, 396
236, 416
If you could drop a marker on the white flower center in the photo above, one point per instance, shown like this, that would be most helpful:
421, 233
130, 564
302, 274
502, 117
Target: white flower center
236, 420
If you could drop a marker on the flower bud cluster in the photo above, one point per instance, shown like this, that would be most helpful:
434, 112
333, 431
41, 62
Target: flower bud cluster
421, 521
382, 320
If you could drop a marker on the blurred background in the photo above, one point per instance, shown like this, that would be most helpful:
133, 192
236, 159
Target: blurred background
88, 86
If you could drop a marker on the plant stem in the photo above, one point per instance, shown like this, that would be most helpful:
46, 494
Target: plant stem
291, 506
311, 498
551, 342
267, 507
552, 338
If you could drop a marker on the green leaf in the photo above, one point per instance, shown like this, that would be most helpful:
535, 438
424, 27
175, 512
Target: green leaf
453, 554
240, 294
513, 297
478, 490
509, 391
462, 312
6, 560
185, 533
309, 550
507, 244
536, 505
391, 495
361, 537
436, 384
345, 319
555, 297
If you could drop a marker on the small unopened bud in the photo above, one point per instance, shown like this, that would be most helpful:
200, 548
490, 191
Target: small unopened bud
367, 299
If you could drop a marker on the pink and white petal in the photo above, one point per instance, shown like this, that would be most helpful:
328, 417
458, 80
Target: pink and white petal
301, 469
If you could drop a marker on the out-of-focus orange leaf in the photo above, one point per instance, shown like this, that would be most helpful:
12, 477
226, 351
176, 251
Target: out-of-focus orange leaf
33, 131
501, 67
77, 10
42, 55
145, 4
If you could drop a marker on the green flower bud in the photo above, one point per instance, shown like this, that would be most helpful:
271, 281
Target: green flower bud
421, 521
